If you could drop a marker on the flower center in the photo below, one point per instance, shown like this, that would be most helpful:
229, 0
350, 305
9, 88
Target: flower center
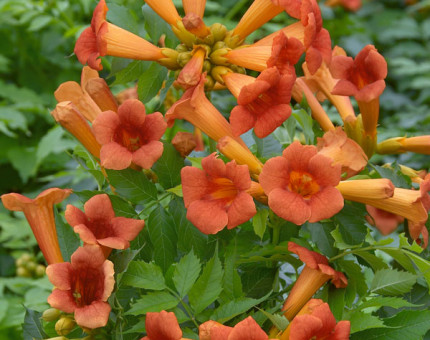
223, 189
128, 138
303, 184
87, 286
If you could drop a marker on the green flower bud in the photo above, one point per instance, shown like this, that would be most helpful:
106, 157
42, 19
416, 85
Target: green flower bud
40, 270
65, 325
184, 58
218, 31
23, 272
218, 71
51, 314
217, 57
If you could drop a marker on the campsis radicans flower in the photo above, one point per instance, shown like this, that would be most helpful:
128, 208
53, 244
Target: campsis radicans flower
39, 213
162, 325
418, 144
316, 321
301, 184
350, 5
216, 196
314, 275
129, 136
384, 221
99, 225
83, 285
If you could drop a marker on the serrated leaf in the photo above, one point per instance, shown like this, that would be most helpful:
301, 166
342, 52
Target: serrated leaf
144, 275
122, 259
305, 121
403, 243
400, 256
375, 262
186, 273
150, 82
32, 327
336, 301
133, 185
351, 224
234, 308
321, 235
279, 321
67, 238
392, 282
356, 280
39, 23
404, 325
168, 167
361, 321
131, 73
394, 175
162, 233
385, 301
422, 264
208, 286
155, 26
122, 17
153, 302
259, 222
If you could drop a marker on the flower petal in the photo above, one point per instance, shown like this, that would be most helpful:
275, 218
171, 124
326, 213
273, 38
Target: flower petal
59, 275
93, 316
208, 216
115, 156
325, 203
148, 154
241, 210
289, 205
62, 300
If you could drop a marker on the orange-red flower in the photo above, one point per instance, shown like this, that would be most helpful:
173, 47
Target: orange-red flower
343, 150
385, 221
301, 184
317, 40
129, 136
247, 329
292, 7
286, 53
315, 273
83, 286
99, 225
350, 5
263, 104
316, 321
419, 228
362, 77
418, 144
39, 213
103, 38
162, 326
216, 196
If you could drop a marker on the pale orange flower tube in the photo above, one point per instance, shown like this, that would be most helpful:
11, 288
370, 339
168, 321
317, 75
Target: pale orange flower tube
166, 10
419, 144
194, 6
40, 215
362, 189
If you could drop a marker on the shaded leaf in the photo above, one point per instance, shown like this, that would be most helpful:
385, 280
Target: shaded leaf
186, 273
144, 275
392, 282
153, 302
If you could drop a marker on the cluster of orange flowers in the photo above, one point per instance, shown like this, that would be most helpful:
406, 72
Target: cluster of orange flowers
306, 183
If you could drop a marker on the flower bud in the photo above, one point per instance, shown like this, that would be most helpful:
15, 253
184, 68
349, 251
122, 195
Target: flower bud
233, 41
209, 83
51, 314
40, 270
23, 272
218, 45
65, 325
31, 266
184, 58
171, 60
207, 66
183, 34
217, 57
219, 71
182, 48
218, 31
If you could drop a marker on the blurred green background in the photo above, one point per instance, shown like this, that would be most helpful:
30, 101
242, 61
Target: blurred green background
36, 55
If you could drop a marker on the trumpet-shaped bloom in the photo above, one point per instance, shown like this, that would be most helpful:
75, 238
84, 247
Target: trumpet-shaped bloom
194, 6
301, 184
263, 104
316, 321
129, 136
362, 77
343, 150
99, 225
39, 213
292, 7
350, 5
103, 38
286, 53
82, 286
317, 40
315, 273
216, 196
418, 144
184, 143
162, 326
418, 228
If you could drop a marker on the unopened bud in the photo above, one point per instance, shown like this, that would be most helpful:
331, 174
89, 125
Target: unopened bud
219, 31
51, 314
184, 58
65, 325
209, 83
218, 45
183, 34
23, 272
184, 143
194, 24
26, 257
171, 60
40, 270
207, 66
181, 48
219, 71
31, 266
238, 69
233, 41
218, 57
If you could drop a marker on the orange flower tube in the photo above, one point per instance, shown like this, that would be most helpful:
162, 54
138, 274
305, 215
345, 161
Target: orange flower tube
296, 30
166, 10
419, 144
194, 6
40, 215
253, 57
313, 276
192, 72
362, 189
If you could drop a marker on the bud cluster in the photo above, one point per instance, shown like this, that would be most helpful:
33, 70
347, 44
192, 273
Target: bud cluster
27, 266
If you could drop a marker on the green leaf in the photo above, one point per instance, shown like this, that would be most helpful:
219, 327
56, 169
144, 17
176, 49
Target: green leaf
234, 308
133, 185
305, 121
155, 26
208, 287
186, 273
400, 256
52, 142
39, 23
405, 325
361, 321
24, 161
162, 233
392, 282
122, 17
403, 243
351, 224
150, 82
232, 284
356, 280
267, 147
144, 275
422, 264
153, 302
67, 238
336, 301
168, 167
259, 222
385, 301
132, 72
122, 259
375, 262
32, 327
394, 175
278, 320
321, 235
122, 207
